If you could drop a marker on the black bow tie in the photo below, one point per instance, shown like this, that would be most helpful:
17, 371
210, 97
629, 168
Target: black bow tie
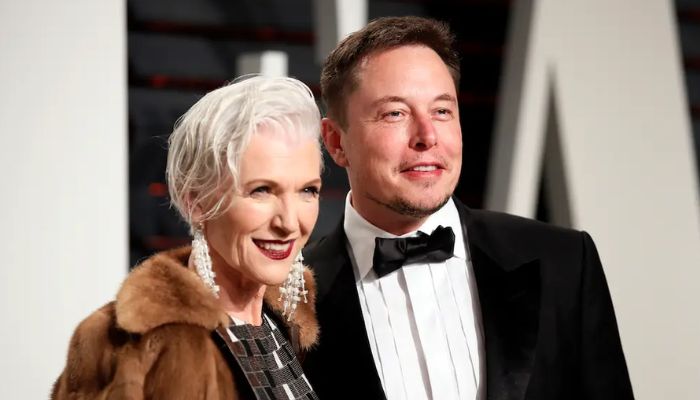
392, 254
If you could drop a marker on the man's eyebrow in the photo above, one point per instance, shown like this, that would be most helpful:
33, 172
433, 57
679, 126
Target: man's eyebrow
446, 97
399, 99
388, 99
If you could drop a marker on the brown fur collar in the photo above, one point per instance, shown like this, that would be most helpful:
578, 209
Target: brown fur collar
162, 290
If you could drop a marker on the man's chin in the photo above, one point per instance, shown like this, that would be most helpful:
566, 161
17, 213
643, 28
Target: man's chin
417, 208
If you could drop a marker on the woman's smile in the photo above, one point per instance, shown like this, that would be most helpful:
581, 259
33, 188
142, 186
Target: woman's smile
275, 249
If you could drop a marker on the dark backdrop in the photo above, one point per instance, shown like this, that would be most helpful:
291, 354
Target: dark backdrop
180, 49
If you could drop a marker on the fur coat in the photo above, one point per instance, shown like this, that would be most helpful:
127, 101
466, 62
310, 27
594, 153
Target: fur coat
154, 341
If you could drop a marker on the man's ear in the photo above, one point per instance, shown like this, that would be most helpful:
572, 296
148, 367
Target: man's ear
332, 138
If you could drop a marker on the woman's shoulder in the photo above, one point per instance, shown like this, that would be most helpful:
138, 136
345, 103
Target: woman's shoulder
106, 360
95, 331
158, 291
162, 290
94, 339
303, 326
161, 305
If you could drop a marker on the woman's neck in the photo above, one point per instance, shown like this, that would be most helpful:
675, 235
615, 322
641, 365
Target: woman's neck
240, 297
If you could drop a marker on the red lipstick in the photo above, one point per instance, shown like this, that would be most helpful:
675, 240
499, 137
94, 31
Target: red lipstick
275, 249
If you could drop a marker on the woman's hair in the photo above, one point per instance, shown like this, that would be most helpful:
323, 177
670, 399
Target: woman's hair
208, 141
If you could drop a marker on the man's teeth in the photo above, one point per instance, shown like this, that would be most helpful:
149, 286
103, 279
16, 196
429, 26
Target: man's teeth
273, 246
424, 168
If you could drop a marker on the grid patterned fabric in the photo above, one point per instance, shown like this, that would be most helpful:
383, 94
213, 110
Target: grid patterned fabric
268, 361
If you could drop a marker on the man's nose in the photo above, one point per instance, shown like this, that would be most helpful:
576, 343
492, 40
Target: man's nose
424, 135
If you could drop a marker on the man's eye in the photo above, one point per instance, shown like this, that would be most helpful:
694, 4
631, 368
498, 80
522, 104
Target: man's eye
392, 115
443, 113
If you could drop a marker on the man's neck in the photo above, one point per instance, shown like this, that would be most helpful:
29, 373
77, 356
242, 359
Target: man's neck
387, 219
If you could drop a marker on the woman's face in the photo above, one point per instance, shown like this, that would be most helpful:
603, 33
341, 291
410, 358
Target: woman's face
273, 211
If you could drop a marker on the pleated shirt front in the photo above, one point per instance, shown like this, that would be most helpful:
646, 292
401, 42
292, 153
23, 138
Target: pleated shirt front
422, 320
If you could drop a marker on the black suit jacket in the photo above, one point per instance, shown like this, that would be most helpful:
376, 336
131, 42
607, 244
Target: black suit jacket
549, 326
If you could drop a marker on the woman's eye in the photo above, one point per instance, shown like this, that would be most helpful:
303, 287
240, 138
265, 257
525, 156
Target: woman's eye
260, 190
311, 191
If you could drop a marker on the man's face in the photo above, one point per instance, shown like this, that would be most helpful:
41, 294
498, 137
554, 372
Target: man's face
402, 145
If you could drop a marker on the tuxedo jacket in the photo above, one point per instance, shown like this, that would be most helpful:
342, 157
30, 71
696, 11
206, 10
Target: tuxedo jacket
548, 321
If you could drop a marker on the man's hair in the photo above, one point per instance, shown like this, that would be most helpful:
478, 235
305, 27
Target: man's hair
338, 75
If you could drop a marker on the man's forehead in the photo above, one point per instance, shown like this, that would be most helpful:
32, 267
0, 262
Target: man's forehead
382, 62
378, 89
366, 59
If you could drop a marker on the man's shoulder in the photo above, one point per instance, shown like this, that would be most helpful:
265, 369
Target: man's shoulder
328, 246
514, 224
499, 231
316, 246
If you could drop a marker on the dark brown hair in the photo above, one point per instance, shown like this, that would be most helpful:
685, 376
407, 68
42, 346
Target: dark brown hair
338, 77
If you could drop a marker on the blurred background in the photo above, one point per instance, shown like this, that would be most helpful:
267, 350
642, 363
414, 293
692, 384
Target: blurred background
178, 50
580, 113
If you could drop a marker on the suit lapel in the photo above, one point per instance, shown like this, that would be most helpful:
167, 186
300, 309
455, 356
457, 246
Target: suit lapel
509, 294
344, 350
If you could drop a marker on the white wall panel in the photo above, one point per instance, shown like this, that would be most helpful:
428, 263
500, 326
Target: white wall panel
64, 189
613, 71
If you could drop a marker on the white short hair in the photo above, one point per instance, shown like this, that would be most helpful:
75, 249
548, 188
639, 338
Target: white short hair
208, 141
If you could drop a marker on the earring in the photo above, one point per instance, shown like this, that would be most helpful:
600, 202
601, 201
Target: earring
293, 288
202, 260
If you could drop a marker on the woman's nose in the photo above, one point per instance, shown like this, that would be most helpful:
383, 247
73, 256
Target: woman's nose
285, 218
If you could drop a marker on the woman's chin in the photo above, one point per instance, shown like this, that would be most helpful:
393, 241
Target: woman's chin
276, 279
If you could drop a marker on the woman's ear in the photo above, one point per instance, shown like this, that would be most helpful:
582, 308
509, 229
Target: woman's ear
332, 139
194, 209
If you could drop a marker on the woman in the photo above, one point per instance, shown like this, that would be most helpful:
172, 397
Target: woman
215, 321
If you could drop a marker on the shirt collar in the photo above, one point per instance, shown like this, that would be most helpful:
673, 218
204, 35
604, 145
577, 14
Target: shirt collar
361, 233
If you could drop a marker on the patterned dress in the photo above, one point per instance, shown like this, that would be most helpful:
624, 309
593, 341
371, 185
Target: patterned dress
267, 360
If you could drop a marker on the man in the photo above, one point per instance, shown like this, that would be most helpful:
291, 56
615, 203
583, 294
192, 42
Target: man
418, 295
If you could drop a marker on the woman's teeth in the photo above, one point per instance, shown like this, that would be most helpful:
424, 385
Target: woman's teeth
275, 250
273, 246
